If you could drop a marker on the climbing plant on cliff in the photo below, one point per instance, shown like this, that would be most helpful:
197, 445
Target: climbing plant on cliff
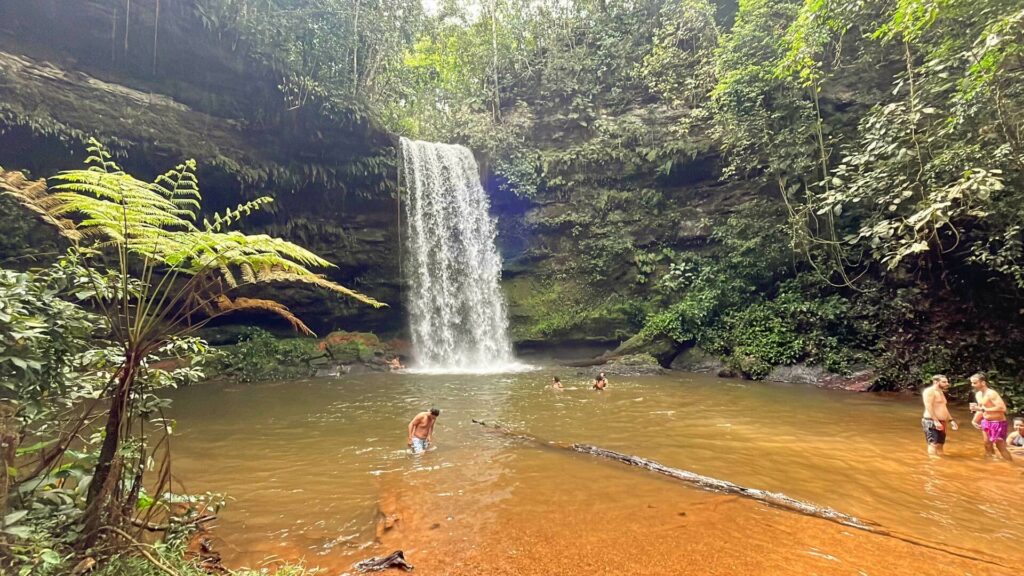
157, 274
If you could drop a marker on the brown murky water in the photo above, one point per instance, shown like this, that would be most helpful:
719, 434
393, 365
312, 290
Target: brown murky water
311, 466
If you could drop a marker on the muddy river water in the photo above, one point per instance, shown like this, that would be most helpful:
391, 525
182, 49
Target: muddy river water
317, 471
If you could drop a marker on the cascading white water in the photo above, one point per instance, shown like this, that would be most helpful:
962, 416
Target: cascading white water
456, 308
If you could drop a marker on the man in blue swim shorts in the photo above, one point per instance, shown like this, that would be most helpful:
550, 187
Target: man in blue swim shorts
421, 430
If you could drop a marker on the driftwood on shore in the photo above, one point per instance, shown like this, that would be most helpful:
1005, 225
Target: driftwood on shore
775, 499
394, 560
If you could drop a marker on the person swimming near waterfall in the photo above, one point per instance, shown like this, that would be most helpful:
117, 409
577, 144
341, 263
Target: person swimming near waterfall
421, 430
600, 382
556, 383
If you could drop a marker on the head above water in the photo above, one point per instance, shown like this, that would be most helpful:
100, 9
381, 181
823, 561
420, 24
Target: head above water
979, 381
941, 381
435, 412
555, 379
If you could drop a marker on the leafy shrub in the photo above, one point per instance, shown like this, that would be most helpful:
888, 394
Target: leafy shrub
259, 355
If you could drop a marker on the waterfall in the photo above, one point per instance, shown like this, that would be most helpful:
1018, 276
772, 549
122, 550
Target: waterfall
456, 309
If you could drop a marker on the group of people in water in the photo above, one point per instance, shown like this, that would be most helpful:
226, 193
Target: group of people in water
989, 411
600, 383
990, 417
421, 427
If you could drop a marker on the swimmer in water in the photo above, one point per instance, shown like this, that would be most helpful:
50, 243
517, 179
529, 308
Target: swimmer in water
421, 430
600, 382
556, 384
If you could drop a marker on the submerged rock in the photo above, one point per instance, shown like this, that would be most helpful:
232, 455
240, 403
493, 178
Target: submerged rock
799, 373
661, 350
695, 359
862, 380
629, 365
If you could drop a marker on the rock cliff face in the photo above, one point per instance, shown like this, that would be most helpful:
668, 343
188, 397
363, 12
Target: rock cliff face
70, 71
577, 264
576, 256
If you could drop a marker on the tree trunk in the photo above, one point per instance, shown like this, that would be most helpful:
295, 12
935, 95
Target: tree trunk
8, 448
102, 497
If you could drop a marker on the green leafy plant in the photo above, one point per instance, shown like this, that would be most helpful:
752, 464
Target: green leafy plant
156, 276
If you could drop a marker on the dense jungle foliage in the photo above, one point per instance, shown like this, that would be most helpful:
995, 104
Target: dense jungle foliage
864, 160
880, 142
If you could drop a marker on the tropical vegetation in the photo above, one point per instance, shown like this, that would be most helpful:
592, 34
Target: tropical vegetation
89, 343
774, 181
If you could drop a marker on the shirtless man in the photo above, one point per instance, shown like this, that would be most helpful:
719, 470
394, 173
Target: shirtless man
421, 430
600, 382
556, 383
990, 416
936, 418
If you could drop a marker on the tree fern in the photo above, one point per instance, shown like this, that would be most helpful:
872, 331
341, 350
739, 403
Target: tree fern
168, 272
105, 206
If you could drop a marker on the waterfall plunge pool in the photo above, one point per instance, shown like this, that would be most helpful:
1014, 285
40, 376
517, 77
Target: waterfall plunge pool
313, 466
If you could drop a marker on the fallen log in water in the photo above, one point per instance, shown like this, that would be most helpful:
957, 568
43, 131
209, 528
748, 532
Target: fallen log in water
776, 499
706, 482
394, 560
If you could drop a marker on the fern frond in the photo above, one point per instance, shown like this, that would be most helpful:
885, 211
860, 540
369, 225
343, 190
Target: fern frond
32, 194
155, 220
228, 276
181, 187
235, 214
320, 281
99, 159
225, 304
248, 274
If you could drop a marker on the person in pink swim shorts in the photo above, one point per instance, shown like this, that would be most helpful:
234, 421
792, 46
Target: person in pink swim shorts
990, 416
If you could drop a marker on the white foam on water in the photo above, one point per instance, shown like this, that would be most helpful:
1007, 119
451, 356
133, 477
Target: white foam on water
509, 368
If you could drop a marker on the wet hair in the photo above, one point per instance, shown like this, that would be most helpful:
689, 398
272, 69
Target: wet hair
556, 379
435, 412
980, 376
938, 377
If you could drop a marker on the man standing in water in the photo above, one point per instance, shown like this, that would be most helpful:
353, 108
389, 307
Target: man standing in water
936, 416
990, 416
600, 382
421, 430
